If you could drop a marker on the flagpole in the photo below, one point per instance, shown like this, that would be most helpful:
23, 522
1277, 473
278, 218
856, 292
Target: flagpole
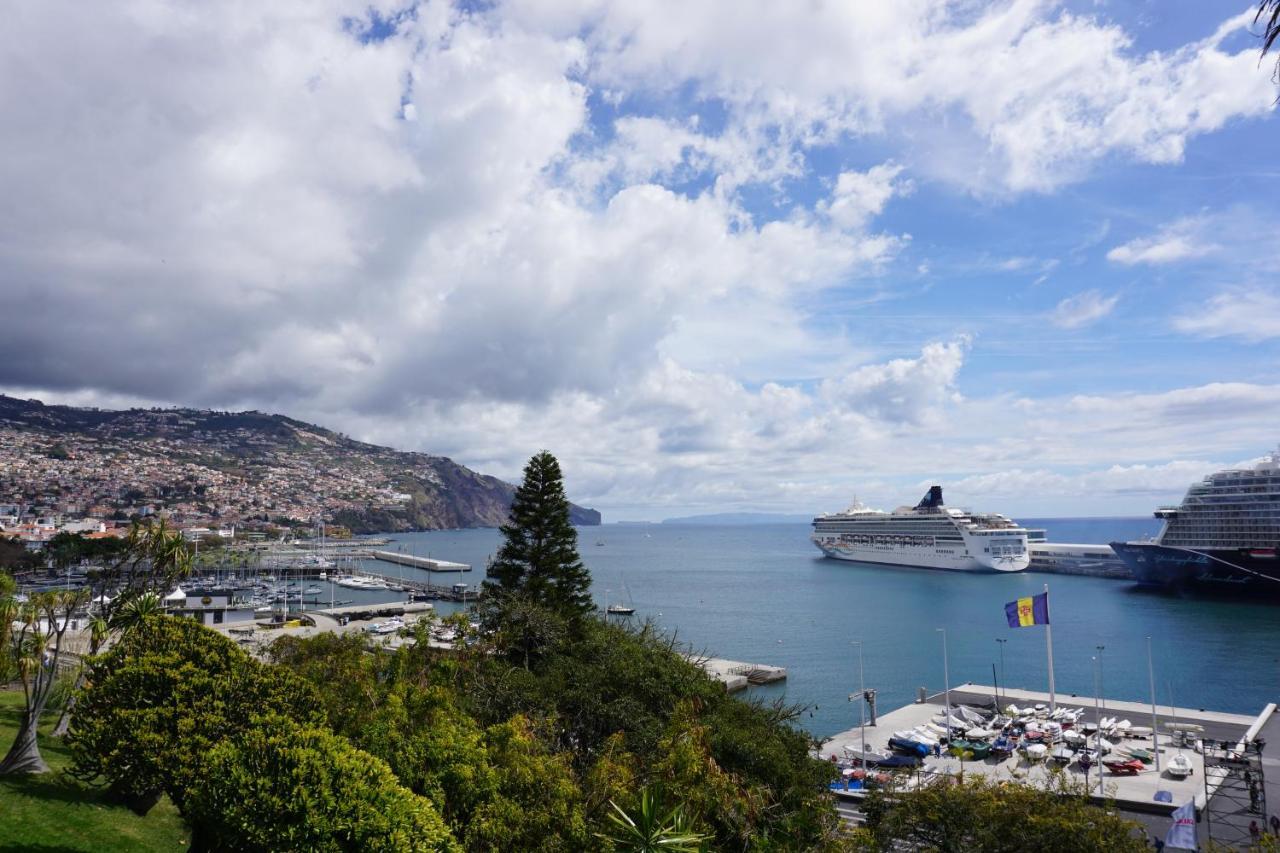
1048, 640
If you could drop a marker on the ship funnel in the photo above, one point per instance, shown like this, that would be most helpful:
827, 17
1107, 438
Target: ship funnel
931, 500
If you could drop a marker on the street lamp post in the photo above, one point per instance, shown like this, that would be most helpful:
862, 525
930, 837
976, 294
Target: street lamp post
1155, 726
1097, 737
946, 681
862, 697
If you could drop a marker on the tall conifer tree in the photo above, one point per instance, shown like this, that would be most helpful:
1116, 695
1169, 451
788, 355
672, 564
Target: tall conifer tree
539, 554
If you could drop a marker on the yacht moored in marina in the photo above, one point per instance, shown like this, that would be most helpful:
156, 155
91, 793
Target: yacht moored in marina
357, 582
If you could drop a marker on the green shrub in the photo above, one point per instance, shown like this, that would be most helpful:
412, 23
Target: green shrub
284, 786
162, 698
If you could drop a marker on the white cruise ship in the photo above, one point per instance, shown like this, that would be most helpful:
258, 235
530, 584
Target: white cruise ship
927, 535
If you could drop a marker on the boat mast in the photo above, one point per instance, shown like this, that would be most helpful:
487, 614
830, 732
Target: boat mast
1048, 640
1097, 735
946, 682
1155, 730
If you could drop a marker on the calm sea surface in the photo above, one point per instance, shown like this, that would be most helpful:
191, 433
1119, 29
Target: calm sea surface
764, 594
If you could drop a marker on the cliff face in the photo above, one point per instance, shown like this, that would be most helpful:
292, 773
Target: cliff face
237, 466
455, 497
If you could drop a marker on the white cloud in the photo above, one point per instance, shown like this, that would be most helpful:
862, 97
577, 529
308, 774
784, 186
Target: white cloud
860, 196
1082, 309
1030, 96
1179, 241
1141, 480
1249, 313
908, 390
430, 240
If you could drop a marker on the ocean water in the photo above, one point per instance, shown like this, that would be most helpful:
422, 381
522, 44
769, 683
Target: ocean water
764, 594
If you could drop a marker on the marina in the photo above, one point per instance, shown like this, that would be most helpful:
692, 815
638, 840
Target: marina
1210, 758
1133, 792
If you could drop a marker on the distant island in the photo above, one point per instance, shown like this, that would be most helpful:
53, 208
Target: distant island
231, 469
741, 518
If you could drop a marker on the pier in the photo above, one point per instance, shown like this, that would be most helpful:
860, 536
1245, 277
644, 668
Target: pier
1215, 784
424, 563
737, 675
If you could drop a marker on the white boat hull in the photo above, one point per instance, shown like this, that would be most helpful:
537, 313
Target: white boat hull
953, 559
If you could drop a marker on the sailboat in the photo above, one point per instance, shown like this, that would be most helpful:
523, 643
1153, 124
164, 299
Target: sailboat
618, 608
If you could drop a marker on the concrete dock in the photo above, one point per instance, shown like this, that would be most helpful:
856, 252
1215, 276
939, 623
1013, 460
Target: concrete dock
1135, 795
738, 675
425, 563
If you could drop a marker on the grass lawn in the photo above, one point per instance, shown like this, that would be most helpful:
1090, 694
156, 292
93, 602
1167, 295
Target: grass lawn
53, 812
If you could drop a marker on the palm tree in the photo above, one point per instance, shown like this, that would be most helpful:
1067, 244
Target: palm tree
135, 611
1269, 12
33, 632
99, 630
155, 557
653, 827
126, 618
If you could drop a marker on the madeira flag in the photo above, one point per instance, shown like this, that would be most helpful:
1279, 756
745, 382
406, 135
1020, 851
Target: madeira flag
1028, 611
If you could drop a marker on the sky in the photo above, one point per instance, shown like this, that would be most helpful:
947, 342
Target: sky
717, 256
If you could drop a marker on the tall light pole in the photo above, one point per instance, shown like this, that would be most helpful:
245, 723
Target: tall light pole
946, 680
1100, 684
1002, 641
1097, 735
862, 703
1155, 726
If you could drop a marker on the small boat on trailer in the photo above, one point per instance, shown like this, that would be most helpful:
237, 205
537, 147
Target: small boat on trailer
910, 747
1063, 755
1124, 767
1179, 766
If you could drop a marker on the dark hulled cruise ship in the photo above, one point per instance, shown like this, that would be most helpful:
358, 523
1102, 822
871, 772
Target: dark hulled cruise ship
1222, 538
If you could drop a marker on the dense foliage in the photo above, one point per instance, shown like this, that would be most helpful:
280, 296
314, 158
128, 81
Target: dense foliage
978, 815
539, 554
162, 697
282, 786
67, 549
14, 555
530, 757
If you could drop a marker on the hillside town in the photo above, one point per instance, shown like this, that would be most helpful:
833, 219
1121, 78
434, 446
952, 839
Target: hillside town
94, 471
94, 484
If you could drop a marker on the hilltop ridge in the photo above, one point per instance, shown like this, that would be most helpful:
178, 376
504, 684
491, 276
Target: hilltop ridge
248, 468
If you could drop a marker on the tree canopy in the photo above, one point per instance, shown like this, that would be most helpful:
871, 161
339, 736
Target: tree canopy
978, 815
279, 785
539, 555
534, 753
162, 697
